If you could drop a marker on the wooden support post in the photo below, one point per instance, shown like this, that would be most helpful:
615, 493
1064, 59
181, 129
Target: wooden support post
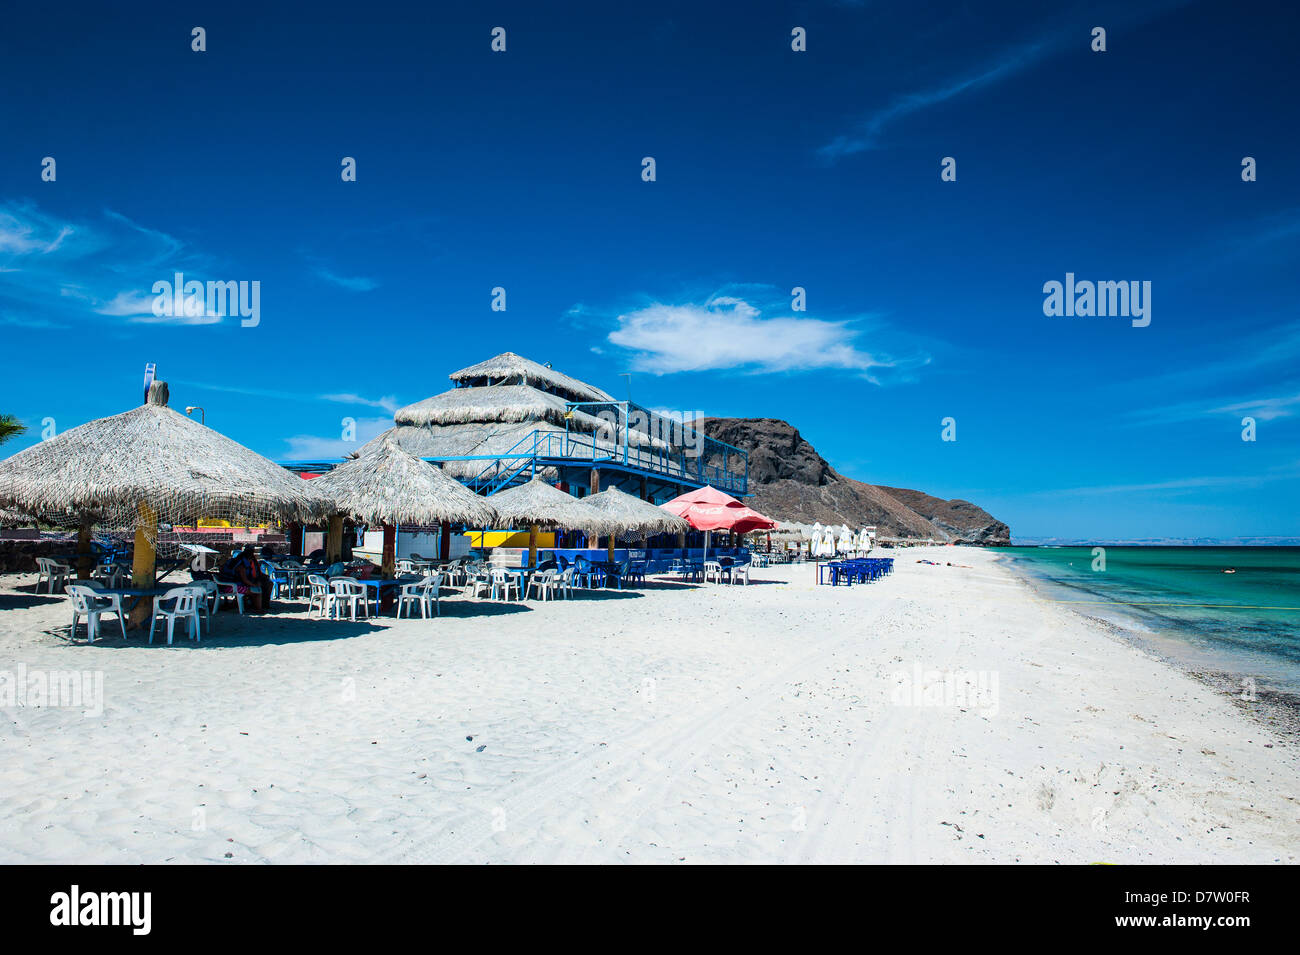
444, 541
595, 480
334, 540
142, 563
611, 548
85, 559
293, 539
533, 530
388, 562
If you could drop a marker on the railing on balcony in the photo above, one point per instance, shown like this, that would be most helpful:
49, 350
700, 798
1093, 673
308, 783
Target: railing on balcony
629, 437
663, 445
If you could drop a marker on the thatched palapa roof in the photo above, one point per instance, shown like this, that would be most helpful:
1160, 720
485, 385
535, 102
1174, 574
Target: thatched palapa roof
386, 485
11, 518
471, 438
538, 503
633, 514
182, 470
499, 404
509, 368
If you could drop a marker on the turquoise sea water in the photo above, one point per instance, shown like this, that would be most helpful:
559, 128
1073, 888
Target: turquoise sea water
1179, 601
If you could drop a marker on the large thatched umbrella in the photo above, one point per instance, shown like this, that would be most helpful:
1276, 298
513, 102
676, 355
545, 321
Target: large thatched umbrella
537, 504
387, 486
630, 513
143, 467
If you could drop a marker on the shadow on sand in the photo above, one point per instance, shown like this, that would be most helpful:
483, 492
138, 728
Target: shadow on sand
21, 601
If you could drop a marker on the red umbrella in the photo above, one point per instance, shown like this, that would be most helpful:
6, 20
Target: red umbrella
708, 509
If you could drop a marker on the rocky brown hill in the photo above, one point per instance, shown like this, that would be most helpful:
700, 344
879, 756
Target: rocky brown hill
790, 481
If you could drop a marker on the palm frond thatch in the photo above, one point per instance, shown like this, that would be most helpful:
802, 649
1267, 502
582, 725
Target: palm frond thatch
443, 441
386, 485
12, 518
539, 503
630, 513
515, 369
513, 404
104, 470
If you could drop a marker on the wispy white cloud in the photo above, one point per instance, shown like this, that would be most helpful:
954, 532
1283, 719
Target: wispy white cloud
1264, 409
311, 447
728, 332
357, 284
1006, 63
1289, 472
866, 134
388, 403
69, 272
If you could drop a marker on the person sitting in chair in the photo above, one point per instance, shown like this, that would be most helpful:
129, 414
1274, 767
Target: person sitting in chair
243, 571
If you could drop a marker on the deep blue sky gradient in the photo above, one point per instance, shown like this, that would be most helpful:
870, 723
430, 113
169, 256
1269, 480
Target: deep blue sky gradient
775, 169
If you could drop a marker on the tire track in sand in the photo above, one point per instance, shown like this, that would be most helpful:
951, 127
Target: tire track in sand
677, 743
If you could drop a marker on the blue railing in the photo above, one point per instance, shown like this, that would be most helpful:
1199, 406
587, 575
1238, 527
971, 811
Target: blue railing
643, 439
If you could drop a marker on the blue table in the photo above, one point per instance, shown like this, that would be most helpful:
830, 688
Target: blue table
380, 584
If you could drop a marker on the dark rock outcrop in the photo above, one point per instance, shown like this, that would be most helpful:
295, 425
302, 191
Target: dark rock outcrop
790, 481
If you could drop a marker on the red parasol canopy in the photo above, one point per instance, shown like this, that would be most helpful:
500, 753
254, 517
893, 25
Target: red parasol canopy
708, 509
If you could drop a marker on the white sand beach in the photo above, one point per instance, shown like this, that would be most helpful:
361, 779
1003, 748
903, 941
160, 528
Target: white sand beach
674, 724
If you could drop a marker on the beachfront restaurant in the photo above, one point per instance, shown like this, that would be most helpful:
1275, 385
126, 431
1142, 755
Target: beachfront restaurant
509, 420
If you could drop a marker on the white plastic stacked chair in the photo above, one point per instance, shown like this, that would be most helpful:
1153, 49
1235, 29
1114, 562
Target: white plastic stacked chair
53, 572
91, 605
503, 583
319, 594
209, 600
184, 605
423, 593
350, 592
543, 582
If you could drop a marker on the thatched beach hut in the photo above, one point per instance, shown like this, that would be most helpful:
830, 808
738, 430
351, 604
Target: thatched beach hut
385, 486
145, 467
536, 505
632, 515
493, 409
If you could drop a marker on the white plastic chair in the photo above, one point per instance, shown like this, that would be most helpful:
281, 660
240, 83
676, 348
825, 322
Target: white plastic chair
481, 581
503, 583
740, 574
712, 571
320, 594
350, 592
209, 600
91, 605
543, 582
184, 606
110, 574
422, 592
53, 572
564, 582
230, 591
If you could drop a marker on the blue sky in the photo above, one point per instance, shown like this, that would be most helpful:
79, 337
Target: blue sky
775, 169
